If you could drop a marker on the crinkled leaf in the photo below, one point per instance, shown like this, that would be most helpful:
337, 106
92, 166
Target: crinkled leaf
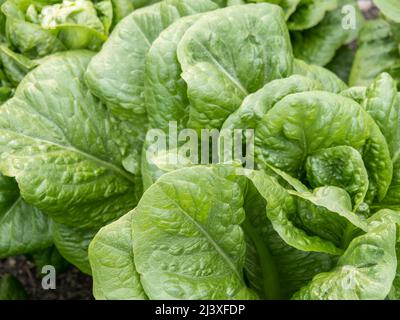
303, 123
187, 239
73, 244
63, 147
15, 65
319, 44
256, 105
342, 62
111, 258
377, 52
327, 80
357, 94
23, 228
30, 39
274, 269
334, 199
221, 68
121, 85
366, 269
309, 13
389, 8
281, 210
165, 90
288, 6
340, 166
41, 28
383, 104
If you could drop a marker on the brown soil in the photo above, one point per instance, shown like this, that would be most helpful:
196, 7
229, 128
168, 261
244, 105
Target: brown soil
71, 285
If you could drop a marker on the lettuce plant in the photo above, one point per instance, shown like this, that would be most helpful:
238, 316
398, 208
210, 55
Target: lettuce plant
84, 174
316, 26
389, 8
378, 46
329, 210
279, 218
316, 218
38, 28
95, 163
203, 233
201, 83
31, 30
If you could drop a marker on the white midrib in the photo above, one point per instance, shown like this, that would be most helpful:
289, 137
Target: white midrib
82, 153
208, 237
148, 42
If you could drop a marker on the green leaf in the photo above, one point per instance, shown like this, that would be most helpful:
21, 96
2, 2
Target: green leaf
197, 212
340, 166
111, 258
281, 210
274, 269
164, 85
294, 129
155, 163
256, 105
73, 244
365, 271
383, 104
327, 80
39, 28
220, 76
221, 3
11, 289
64, 149
389, 8
320, 221
15, 65
104, 12
342, 62
357, 94
377, 52
334, 199
309, 13
141, 3
77, 12
30, 39
120, 9
235, 2
23, 228
121, 85
288, 6
319, 44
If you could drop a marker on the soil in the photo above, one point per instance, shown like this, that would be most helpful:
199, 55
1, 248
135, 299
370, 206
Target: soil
70, 285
